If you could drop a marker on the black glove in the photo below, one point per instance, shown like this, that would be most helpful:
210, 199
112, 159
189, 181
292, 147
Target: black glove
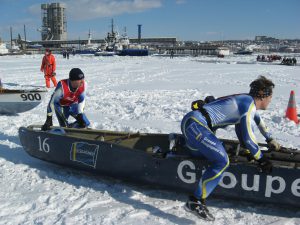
80, 121
47, 124
265, 165
248, 155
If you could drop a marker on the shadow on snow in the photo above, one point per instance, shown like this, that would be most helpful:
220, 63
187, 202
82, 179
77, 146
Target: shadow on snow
116, 187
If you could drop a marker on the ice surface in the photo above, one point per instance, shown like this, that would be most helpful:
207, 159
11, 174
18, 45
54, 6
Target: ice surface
149, 94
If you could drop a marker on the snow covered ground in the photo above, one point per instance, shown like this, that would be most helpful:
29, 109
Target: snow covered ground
149, 94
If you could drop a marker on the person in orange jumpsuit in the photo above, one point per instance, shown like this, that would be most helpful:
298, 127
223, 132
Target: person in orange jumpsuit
48, 67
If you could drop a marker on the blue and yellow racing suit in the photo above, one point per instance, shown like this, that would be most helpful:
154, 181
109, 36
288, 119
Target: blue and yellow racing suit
238, 110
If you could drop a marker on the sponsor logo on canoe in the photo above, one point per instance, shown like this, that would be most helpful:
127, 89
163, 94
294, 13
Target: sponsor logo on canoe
84, 153
269, 185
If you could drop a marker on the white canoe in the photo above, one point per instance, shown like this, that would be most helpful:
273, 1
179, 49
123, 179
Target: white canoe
18, 101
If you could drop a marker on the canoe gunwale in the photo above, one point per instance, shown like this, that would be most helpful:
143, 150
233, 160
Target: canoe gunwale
287, 157
19, 91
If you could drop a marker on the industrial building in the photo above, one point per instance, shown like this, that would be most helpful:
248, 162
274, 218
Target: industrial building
54, 22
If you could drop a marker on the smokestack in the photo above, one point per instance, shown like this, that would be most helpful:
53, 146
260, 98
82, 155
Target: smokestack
10, 37
139, 32
25, 32
24, 36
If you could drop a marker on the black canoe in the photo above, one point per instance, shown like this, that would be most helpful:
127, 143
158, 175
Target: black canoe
145, 158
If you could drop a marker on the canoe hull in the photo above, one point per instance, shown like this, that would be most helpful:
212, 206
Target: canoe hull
12, 102
241, 180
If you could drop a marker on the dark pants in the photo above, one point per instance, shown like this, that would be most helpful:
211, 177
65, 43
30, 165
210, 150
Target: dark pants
66, 112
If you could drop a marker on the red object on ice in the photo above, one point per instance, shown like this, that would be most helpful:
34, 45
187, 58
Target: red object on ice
291, 111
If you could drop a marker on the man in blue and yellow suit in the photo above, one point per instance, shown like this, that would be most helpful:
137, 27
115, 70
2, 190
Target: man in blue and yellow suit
199, 126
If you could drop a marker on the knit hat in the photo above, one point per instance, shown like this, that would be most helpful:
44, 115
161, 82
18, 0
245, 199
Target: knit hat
76, 74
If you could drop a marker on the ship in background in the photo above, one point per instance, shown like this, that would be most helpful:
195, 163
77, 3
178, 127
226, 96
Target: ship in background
116, 44
89, 48
243, 52
3, 48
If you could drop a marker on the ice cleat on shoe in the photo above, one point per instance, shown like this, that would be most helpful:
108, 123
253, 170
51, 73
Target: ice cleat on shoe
198, 208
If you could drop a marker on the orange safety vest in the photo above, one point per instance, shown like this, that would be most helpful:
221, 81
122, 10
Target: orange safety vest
48, 65
70, 97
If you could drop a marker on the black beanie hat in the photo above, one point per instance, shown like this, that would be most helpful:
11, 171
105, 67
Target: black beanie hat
76, 74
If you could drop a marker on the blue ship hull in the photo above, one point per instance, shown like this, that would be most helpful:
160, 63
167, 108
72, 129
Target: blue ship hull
134, 52
85, 52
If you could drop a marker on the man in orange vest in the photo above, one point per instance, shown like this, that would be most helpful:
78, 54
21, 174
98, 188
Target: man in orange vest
68, 100
48, 67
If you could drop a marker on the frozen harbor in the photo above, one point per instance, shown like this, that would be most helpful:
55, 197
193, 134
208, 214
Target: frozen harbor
147, 94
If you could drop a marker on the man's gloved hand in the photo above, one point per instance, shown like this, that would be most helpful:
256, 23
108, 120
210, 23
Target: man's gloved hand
47, 124
249, 156
80, 121
273, 145
197, 104
53, 74
265, 165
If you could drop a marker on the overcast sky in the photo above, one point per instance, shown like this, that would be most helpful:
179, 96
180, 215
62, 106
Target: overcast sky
200, 20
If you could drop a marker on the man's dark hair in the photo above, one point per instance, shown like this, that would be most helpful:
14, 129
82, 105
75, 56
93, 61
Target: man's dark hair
261, 87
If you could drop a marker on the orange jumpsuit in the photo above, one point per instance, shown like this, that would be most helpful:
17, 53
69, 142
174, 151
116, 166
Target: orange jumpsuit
48, 67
